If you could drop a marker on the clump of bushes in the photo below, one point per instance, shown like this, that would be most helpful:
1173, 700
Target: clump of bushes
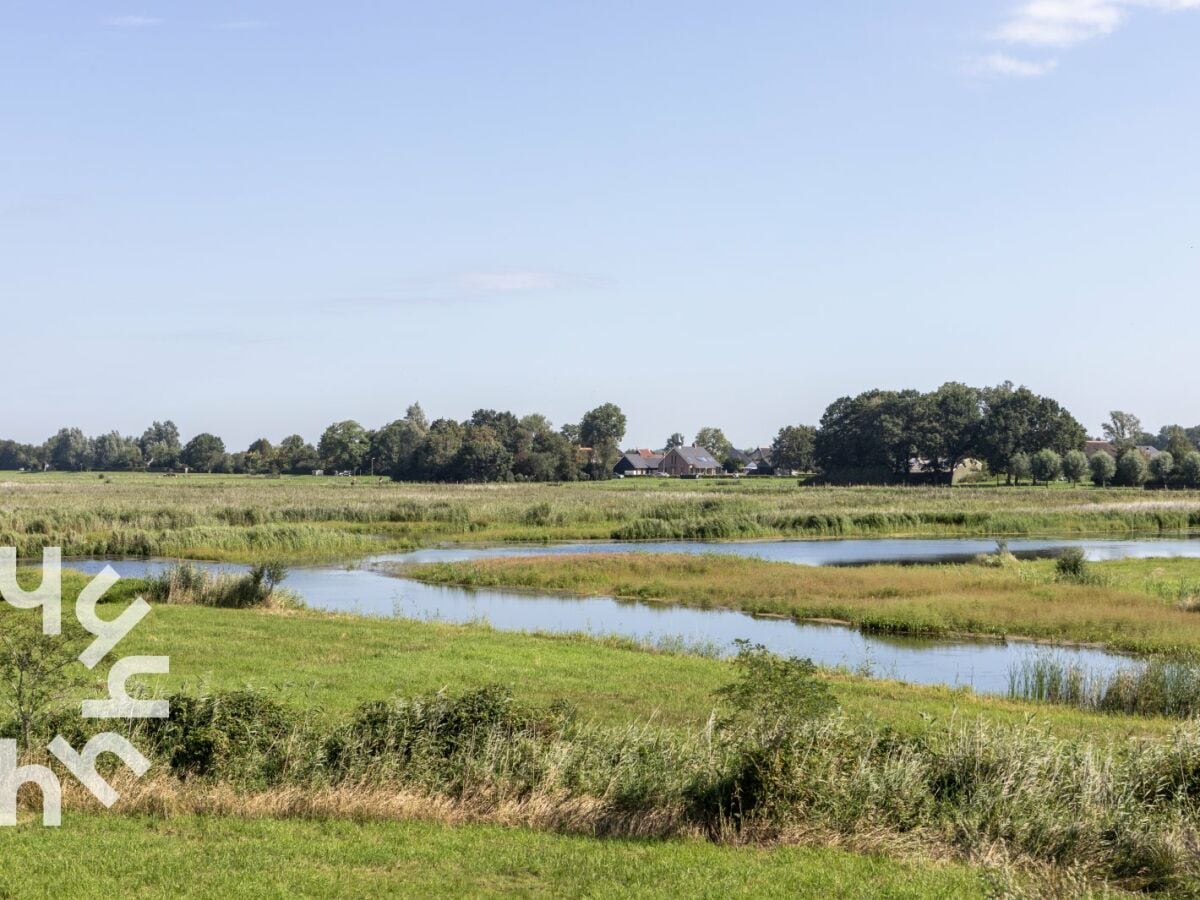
1071, 565
186, 582
231, 731
998, 560
755, 734
542, 515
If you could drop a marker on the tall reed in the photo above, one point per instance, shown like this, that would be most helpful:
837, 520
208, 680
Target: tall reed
1158, 687
186, 582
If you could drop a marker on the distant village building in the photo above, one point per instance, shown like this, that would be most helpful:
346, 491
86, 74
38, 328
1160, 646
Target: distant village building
739, 456
640, 462
690, 462
693, 462
922, 470
759, 463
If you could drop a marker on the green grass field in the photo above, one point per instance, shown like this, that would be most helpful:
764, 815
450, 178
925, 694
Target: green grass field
107, 856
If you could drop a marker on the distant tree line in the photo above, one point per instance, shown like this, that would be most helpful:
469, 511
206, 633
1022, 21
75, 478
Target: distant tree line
876, 437
489, 446
1168, 459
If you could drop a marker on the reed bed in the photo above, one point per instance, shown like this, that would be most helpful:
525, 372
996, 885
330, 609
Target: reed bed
301, 517
1156, 688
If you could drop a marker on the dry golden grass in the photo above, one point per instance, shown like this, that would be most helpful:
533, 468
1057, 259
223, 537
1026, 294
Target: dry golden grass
164, 796
935, 600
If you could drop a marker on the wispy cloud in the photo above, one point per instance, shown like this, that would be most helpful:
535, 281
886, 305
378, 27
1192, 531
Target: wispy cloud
476, 287
1012, 66
1061, 24
132, 21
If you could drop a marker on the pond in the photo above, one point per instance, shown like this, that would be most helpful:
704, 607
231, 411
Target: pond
361, 588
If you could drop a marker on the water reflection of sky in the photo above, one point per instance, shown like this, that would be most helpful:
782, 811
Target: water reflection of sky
833, 552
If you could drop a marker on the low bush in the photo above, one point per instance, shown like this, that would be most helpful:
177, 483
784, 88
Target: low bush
186, 582
1071, 565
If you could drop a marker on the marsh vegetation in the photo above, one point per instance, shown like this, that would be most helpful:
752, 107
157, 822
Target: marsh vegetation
291, 714
306, 518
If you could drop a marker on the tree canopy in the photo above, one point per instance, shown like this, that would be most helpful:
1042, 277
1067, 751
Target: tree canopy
877, 436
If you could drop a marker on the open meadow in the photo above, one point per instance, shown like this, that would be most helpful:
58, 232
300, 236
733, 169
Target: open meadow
533, 763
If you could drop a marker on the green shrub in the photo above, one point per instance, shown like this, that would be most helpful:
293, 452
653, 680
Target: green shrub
242, 736
1046, 466
1075, 466
1071, 564
1103, 467
1132, 470
403, 733
762, 713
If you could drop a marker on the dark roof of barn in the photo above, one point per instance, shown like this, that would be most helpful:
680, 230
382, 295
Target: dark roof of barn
638, 461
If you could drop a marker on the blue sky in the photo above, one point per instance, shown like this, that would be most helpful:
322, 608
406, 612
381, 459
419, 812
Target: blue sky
257, 218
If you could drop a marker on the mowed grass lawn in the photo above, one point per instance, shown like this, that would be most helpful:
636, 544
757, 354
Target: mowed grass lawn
1014, 600
126, 856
